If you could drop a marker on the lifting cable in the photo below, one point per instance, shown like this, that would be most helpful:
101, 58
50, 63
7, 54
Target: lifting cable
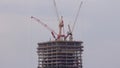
56, 10
77, 16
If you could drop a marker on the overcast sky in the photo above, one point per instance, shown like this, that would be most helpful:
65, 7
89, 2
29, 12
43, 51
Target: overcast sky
98, 26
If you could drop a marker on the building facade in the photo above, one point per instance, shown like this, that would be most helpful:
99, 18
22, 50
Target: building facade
60, 54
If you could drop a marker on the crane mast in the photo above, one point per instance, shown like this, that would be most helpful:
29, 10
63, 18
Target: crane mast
61, 25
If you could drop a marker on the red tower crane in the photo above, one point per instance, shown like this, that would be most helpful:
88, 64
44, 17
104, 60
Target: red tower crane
60, 35
46, 26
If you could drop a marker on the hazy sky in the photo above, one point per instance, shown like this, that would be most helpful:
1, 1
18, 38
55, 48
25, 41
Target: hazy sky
98, 27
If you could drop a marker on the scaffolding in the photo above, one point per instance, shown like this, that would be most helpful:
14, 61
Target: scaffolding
60, 54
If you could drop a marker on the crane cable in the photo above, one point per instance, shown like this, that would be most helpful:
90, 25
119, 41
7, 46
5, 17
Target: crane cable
58, 17
77, 16
56, 10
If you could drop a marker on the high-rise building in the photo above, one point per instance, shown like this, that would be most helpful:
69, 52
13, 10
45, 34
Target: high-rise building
60, 54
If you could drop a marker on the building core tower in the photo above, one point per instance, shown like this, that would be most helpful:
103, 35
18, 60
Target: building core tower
60, 54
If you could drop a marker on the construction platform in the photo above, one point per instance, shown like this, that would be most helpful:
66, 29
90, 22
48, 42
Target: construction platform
60, 54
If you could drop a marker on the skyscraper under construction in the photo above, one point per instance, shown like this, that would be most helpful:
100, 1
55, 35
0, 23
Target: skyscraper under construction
62, 52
